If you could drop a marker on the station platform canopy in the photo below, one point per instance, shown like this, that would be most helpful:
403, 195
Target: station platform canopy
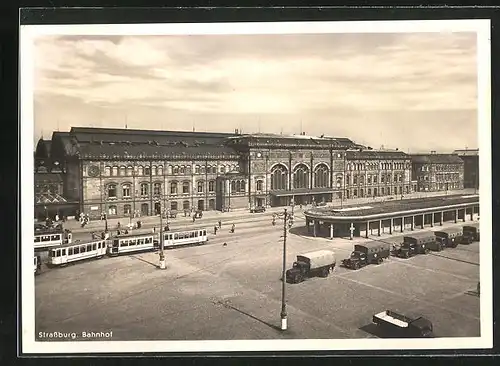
387, 209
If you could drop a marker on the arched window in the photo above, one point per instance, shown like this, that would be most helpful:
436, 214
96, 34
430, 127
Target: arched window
233, 186
321, 176
153, 170
211, 186
107, 170
169, 169
185, 187
173, 188
238, 186
130, 170
185, 205
126, 190
301, 177
197, 169
279, 177
214, 170
260, 185
115, 171
242, 186
222, 169
176, 170
111, 190
188, 169
123, 170
147, 170
201, 185
203, 169
157, 189
144, 189
182, 169
140, 170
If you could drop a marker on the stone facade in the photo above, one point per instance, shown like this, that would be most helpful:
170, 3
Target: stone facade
438, 172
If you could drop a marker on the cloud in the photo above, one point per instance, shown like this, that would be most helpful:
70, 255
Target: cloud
304, 76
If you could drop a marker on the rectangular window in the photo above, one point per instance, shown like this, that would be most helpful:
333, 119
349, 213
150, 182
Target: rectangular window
76, 250
70, 251
82, 249
200, 187
94, 246
211, 186
147, 170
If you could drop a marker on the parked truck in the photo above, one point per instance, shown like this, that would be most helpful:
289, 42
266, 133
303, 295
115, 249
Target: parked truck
449, 237
420, 243
394, 324
318, 263
470, 233
364, 254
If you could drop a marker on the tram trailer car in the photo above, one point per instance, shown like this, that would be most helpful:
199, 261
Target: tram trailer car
184, 238
51, 238
449, 237
471, 233
402, 326
76, 252
365, 254
132, 243
318, 263
417, 244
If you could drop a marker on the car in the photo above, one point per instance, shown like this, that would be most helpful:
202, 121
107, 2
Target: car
258, 209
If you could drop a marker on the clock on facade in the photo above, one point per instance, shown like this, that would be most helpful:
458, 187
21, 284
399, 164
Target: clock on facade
93, 171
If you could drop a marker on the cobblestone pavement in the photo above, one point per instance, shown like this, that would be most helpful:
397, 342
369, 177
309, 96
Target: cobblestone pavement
234, 292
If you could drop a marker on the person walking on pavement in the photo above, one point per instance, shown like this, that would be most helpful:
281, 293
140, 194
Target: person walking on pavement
215, 230
232, 228
194, 218
220, 224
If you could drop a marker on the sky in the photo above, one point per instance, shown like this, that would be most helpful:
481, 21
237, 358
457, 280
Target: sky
412, 91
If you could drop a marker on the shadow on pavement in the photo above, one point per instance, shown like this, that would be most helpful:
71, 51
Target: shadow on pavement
145, 261
227, 305
374, 330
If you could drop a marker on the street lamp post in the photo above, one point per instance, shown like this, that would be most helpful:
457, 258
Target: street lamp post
162, 241
283, 282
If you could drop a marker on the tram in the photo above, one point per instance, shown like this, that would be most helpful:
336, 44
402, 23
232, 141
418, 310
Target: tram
132, 243
182, 238
75, 252
51, 238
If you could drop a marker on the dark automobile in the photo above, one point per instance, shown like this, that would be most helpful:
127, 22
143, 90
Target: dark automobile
258, 209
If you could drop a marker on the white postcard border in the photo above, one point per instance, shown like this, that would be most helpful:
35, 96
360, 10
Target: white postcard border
27, 35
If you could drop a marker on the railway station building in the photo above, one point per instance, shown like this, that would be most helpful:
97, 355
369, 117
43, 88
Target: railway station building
390, 217
437, 172
470, 157
131, 173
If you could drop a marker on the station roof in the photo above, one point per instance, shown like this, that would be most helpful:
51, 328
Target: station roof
375, 154
388, 209
296, 141
109, 143
436, 159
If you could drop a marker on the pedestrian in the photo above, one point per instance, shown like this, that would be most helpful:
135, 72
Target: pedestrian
119, 224
274, 221
194, 218
232, 228
215, 230
167, 228
57, 218
154, 229
224, 245
126, 231
220, 224
118, 232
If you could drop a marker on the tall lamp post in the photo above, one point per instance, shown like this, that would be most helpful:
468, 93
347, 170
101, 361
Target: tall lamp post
162, 241
287, 224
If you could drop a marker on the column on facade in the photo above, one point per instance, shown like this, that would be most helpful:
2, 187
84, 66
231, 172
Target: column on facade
456, 215
391, 225
441, 218
402, 223
412, 222
465, 214
367, 229
331, 231
432, 219
472, 213
314, 228
351, 229
379, 227
423, 221
307, 225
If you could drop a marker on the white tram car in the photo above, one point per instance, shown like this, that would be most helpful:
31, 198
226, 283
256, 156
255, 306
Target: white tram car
76, 252
52, 238
182, 238
132, 243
